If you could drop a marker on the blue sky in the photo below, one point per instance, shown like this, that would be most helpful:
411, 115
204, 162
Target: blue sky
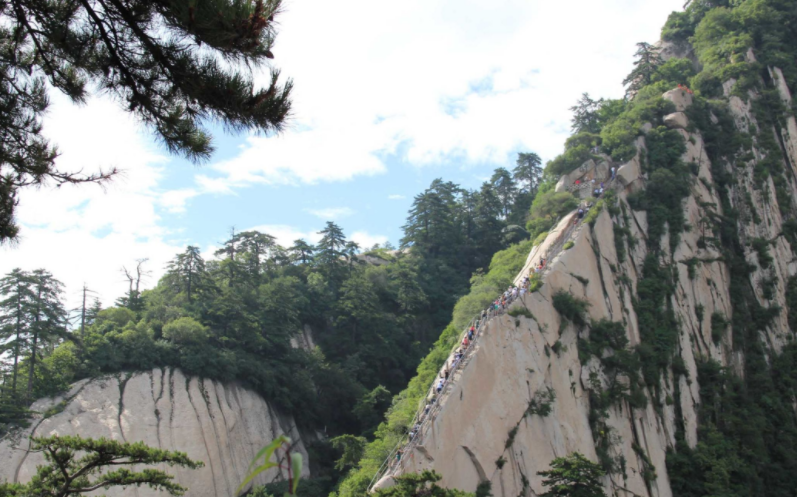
388, 96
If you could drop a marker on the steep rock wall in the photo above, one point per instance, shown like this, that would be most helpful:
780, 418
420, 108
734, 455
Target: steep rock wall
221, 425
516, 358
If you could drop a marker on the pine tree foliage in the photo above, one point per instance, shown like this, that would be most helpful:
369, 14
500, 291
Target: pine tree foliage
528, 171
585, 115
648, 61
573, 476
173, 64
32, 319
78, 466
187, 272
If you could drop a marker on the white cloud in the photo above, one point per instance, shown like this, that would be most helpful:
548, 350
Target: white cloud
331, 213
86, 233
366, 240
396, 197
286, 235
457, 81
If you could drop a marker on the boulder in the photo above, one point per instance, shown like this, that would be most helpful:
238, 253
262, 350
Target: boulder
629, 172
681, 98
676, 120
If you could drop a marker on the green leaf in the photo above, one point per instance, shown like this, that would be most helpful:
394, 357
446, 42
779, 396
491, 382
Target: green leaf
266, 453
296, 468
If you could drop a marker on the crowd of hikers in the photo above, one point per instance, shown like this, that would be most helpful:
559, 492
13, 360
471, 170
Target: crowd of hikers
456, 359
446, 375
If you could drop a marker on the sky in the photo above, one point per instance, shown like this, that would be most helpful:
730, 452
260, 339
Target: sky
388, 96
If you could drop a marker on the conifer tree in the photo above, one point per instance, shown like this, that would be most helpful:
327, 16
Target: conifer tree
330, 252
528, 171
48, 319
585, 115
76, 466
173, 64
573, 476
16, 288
645, 67
301, 251
505, 189
187, 271
257, 251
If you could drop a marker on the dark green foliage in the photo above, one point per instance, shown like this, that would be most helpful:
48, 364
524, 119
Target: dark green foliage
542, 403
32, 322
546, 210
571, 308
77, 465
520, 311
573, 476
658, 326
172, 64
484, 489
416, 485
645, 68
791, 302
528, 171
500, 462
718, 326
585, 115
761, 246
578, 150
511, 437
667, 187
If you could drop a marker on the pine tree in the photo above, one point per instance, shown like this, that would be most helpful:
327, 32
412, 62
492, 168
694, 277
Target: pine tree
573, 476
76, 465
48, 319
330, 253
528, 171
432, 221
585, 115
505, 189
301, 251
259, 252
648, 62
187, 271
488, 224
15, 317
173, 64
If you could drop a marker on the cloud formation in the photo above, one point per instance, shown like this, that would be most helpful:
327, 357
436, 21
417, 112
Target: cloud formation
455, 82
331, 213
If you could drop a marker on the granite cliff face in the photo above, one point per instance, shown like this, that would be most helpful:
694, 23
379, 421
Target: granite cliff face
220, 425
485, 430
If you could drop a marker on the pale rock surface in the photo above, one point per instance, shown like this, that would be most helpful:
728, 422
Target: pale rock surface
676, 120
514, 358
681, 98
222, 425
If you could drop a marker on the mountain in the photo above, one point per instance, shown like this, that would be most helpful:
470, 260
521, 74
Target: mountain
658, 341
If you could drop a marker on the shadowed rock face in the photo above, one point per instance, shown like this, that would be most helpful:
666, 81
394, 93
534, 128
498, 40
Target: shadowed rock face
514, 357
222, 425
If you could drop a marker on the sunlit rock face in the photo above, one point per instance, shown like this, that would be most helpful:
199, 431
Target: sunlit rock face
222, 425
516, 358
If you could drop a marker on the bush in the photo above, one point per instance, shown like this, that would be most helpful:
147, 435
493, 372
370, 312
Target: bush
571, 308
568, 245
520, 311
577, 151
553, 205
185, 331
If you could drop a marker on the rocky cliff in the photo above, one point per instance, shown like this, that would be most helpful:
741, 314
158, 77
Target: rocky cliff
629, 402
219, 424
